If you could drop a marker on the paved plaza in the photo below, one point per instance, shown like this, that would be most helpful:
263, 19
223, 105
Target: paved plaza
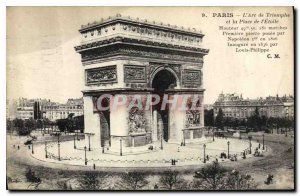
190, 154
277, 160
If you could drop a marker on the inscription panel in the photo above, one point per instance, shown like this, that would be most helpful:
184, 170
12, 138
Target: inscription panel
101, 75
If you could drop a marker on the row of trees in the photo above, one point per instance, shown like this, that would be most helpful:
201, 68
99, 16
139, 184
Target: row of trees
22, 127
71, 123
255, 121
25, 127
211, 177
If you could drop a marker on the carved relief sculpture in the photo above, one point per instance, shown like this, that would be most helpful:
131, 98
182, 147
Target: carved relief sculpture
136, 121
134, 73
101, 75
193, 113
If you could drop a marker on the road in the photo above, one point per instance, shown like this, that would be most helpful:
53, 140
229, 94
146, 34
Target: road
278, 161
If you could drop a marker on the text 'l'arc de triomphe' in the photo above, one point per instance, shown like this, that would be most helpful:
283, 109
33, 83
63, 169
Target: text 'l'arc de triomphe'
129, 57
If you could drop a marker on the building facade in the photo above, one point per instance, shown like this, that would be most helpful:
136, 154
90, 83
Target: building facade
130, 57
44, 108
235, 106
29, 108
54, 111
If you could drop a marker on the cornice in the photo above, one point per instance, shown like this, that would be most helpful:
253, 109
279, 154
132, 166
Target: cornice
128, 20
143, 43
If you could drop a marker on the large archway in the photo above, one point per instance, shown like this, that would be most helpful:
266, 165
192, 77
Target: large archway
163, 80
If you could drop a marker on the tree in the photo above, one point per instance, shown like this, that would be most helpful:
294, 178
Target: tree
171, 179
79, 123
47, 123
18, 124
62, 124
209, 117
211, 177
63, 185
39, 124
216, 177
238, 181
30, 124
24, 127
70, 122
92, 181
134, 180
31, 177
219, 119
9, 125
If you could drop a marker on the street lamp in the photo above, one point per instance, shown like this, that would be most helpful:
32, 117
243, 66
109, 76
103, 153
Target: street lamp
250, 145
285, 132
183, 138
89, 142
204, 146
77, 133
74, 141
85, 160
228, 143
89, 138
263, 141
121, 147
32, 148
59, 151
58, 146
46, 150
161, 142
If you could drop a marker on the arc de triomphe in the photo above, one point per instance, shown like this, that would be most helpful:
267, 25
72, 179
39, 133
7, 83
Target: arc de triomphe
133, 57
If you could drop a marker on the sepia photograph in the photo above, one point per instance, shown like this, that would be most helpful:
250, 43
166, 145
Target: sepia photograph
150, 98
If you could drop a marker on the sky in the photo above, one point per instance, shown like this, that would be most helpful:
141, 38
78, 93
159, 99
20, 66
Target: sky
42, 62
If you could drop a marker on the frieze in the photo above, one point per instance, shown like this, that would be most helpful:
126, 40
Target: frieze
191, 78
100, 75
90, 56
171, 45
160, 55
134, 74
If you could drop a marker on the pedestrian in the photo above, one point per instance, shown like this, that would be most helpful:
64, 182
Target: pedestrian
244, 155
18, 147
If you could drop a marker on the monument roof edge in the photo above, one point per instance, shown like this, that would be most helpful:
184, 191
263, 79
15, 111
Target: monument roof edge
129, 20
